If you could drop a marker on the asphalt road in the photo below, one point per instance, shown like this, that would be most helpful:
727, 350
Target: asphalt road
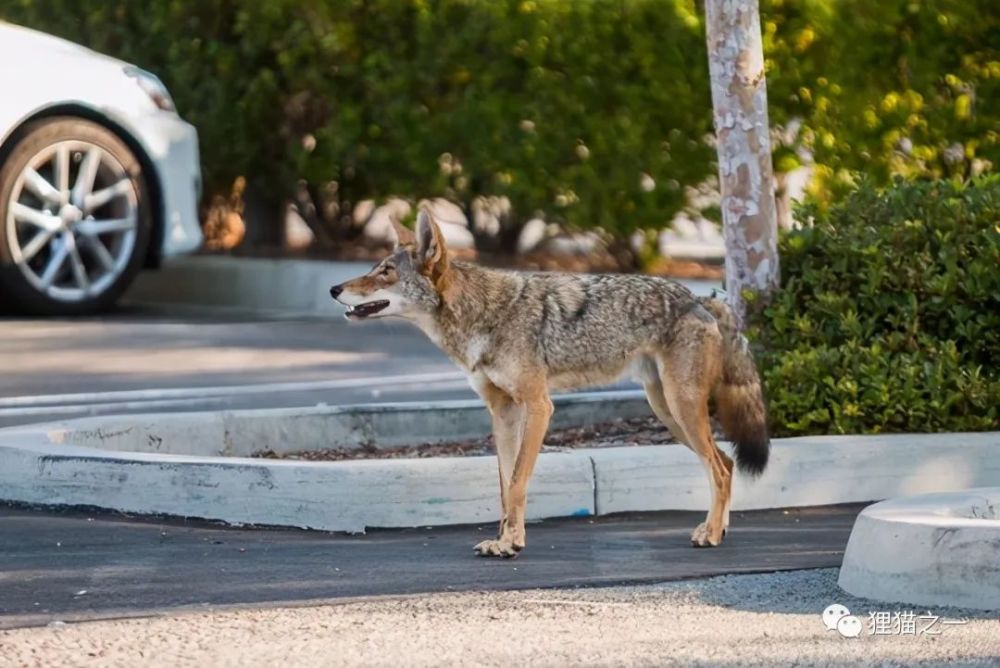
77, 566
153, 359
175, 359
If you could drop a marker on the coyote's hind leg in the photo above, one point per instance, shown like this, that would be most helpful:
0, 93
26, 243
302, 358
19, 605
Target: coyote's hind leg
658, 402
688, 372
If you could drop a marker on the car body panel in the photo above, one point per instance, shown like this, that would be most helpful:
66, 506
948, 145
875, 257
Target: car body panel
54, 74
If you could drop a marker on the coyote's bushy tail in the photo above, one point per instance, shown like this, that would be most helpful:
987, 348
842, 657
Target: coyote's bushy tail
739, 398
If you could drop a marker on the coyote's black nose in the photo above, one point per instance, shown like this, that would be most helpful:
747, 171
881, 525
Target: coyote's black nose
336, 290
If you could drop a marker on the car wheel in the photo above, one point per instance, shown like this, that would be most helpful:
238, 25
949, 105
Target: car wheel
75, 221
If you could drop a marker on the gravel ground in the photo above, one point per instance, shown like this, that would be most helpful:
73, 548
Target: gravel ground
632, 431
772, 619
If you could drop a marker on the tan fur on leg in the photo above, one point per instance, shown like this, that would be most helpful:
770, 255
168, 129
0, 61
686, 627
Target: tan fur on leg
688, 371
538, 409
728, 463
657, 401
508, 428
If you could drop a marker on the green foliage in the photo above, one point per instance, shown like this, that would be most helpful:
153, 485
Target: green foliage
893, 87
561, 106
594, 112
597, 113
888, 319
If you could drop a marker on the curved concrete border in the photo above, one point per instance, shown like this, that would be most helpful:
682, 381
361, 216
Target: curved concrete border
37, 466
334, 496
933, 549
242, 433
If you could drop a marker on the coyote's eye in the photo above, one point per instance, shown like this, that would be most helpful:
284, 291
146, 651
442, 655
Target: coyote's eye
386, 270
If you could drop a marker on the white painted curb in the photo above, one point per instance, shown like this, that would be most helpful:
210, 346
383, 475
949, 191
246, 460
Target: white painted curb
242, 433
352, 495
930, 550
803, 471
334, 496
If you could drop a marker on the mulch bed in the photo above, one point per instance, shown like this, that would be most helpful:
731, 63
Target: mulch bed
633, 431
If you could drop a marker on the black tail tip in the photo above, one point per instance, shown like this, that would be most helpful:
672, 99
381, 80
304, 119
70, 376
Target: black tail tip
752, 456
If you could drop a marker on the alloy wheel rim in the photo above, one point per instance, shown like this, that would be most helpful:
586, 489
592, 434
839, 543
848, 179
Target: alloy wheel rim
72, 219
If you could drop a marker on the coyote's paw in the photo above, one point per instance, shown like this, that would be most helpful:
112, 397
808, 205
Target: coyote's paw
702, 536
499, 547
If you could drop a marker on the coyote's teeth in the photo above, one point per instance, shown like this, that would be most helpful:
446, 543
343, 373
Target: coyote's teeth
368, 308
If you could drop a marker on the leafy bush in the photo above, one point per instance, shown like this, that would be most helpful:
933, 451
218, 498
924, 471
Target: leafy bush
596, 113
560, 106
893, 87
888, 317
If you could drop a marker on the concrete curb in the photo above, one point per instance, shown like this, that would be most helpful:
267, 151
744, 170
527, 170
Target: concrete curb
245, 432
933, 550
334, 496
352, 495
803, 471
294, 286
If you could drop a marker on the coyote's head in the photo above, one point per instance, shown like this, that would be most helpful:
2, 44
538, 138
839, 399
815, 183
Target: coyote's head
409, 282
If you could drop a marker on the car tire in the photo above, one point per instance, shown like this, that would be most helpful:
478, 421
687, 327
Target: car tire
75, 218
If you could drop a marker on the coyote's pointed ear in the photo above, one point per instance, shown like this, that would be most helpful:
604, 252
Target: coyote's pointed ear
431, 251
404, 235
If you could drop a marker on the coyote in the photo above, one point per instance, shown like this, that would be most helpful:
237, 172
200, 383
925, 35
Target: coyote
519, 335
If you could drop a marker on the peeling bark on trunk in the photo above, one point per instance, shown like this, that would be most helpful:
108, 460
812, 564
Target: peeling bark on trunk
739, 101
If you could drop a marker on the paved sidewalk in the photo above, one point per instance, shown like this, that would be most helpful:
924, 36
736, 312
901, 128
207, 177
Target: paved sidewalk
748, 620
78, 567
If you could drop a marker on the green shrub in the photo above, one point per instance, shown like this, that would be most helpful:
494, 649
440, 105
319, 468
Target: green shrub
563, 106
888, 317
891, 87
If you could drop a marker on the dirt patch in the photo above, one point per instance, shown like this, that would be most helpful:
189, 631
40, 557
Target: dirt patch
632, 431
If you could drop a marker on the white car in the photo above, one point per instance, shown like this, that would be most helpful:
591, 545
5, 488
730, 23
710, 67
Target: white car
99, 176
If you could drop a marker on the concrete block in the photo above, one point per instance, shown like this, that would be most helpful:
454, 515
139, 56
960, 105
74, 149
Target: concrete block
929, 550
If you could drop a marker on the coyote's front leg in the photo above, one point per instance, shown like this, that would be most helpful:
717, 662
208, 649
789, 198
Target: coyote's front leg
523, 417
508, 429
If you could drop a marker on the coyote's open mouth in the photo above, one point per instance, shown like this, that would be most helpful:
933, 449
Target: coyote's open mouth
367, 309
